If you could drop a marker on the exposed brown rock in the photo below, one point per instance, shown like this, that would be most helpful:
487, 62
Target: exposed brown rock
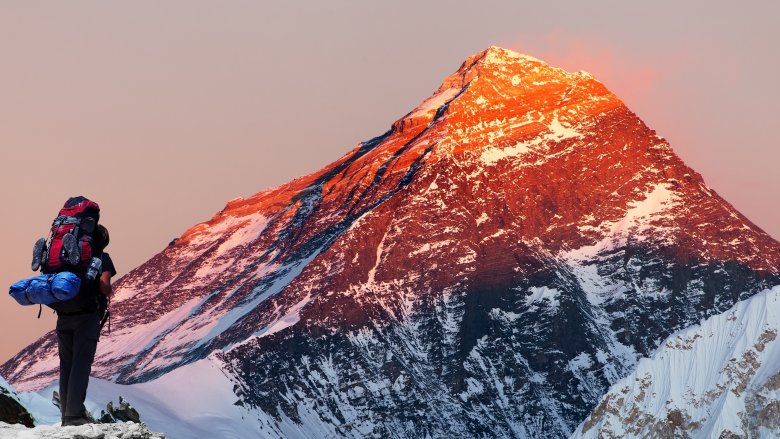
773, 383
11, 412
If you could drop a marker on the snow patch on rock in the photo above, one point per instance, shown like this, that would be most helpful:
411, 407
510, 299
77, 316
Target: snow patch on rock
556, 132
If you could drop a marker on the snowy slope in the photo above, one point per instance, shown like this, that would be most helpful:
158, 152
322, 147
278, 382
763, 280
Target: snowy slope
488, 267
717, 379
193, 401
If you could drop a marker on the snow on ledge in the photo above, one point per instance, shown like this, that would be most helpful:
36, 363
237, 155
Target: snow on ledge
434, 102
557, 132
128, 430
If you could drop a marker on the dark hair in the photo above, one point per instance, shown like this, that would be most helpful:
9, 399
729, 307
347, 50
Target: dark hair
100, 239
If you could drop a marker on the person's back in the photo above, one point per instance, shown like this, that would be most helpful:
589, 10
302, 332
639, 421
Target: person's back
78, 331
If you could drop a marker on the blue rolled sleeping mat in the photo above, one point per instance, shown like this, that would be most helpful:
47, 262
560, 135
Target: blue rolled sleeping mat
46, 289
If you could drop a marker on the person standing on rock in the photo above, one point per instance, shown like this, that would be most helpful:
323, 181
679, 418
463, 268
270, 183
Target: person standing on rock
78, 332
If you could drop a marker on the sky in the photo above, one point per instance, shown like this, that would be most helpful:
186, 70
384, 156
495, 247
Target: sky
164, 111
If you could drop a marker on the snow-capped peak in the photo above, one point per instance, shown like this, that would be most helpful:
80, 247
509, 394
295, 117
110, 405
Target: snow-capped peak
500, 55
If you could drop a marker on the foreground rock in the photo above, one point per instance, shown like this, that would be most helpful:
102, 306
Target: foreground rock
128, 430
11, 411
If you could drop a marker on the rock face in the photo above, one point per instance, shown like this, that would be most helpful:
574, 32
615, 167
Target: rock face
486, 268
11, 410
717, 379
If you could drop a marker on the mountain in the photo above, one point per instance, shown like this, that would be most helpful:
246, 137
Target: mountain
488, 267
717, 379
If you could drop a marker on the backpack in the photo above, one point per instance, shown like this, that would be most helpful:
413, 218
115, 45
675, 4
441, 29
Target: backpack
69, 247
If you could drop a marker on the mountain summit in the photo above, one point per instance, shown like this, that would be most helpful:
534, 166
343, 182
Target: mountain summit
489, 266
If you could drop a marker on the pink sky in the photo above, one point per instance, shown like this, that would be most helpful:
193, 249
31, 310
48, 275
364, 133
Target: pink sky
162, 112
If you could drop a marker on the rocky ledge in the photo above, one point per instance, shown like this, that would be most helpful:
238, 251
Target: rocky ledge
127, 430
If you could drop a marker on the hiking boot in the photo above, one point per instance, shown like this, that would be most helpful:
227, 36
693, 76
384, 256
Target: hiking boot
75, 420
72, 251
38, 249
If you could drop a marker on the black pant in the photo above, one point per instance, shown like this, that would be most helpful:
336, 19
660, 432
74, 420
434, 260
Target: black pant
77, 337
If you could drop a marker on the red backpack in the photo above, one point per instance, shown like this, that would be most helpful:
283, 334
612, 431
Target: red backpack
70, 242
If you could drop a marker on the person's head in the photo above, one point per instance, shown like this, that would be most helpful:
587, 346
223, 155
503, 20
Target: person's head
100, 239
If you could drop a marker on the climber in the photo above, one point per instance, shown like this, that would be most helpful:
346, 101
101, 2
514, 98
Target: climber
78, 331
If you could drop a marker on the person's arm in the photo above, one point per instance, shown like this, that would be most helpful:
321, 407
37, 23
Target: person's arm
105, 283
